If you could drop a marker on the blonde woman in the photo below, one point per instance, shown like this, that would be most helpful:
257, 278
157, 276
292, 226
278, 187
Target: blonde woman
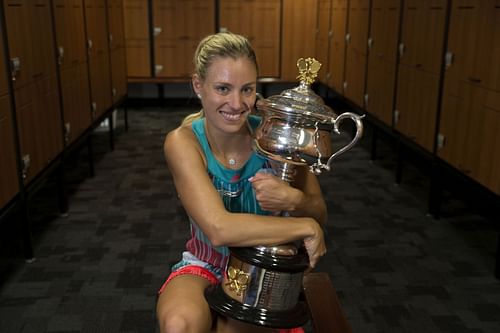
228, 201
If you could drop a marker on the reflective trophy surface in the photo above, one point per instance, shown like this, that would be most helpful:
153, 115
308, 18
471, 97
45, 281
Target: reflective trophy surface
262, 284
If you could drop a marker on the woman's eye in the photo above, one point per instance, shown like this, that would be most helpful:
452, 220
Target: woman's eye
248, 90
222, 89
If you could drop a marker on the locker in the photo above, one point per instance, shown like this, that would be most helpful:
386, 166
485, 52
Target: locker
98, 56
259, 21
72, 60
179, 26
356, 52
8, 167
382, 57
337, 46
117, 50
298, 35
35, 84
137, 41
323, 39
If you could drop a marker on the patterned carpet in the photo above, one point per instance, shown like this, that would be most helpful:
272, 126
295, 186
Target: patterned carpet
395, 268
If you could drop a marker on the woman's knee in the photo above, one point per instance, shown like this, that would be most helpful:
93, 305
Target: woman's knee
184, 318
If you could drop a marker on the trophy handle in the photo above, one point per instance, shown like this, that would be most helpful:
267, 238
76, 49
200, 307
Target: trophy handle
359, 132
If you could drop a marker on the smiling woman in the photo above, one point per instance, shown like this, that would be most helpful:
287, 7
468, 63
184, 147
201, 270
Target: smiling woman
215, 172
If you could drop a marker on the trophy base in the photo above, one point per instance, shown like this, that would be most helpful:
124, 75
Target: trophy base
226, 306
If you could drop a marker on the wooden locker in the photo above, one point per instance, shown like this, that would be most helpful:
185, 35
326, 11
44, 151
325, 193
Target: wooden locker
117, 49
382, 59
260, 22
98, 56
298, 35
8, 165
35, 87
137, 41
17, 20
357, 52
72, 61
420, 56
487, 171
337, 46
8, 169
179, 25
323, 35
492, 32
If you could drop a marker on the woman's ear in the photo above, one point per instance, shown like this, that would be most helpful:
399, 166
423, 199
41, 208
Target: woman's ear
197, 84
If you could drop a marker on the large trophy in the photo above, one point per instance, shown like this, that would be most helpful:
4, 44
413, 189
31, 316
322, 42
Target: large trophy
262, 285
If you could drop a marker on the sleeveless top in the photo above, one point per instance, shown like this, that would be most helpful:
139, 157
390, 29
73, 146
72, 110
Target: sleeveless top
234, 189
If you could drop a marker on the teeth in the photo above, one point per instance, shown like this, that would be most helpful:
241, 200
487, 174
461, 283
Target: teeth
231, 116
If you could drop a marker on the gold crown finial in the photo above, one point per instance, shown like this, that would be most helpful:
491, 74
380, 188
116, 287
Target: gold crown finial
308, 70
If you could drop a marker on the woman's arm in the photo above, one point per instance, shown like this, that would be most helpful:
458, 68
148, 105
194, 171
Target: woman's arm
202, 202
303, 198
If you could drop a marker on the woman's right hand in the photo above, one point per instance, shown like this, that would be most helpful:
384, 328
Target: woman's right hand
315, 244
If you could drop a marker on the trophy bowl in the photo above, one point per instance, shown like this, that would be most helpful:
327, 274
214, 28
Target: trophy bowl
262, 285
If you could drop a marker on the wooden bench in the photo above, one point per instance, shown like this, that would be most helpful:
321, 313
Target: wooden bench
324, 306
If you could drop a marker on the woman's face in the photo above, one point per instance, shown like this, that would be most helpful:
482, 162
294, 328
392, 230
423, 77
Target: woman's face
228, 92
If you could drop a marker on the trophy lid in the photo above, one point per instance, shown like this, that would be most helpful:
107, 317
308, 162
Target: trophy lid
300, 101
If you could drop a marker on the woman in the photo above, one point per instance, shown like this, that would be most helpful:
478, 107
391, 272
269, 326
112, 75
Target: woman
229, 202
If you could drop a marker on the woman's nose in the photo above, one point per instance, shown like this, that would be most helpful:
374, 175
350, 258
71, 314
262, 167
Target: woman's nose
236, 100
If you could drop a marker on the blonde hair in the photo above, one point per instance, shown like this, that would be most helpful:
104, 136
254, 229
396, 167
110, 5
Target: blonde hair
219, 45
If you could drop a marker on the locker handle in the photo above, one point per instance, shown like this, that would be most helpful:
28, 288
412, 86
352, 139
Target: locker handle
157, 31
449, 59
370, 43
348, 38
60, 57
401, 49
15, 67
26, 162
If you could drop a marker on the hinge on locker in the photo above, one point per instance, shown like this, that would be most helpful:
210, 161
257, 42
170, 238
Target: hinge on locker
344, 85
113, 92
366, 98
396, 116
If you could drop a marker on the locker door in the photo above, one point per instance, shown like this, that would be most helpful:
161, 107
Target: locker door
70, 40
264, 35
117, 50
492, 40
97, 43
136, 25
323, 38
298, 35
381, 76
17, 15
337, 46
8, 170
356, 56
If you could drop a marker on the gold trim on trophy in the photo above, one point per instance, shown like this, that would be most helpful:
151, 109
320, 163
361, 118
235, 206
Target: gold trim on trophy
238, 280
308, 70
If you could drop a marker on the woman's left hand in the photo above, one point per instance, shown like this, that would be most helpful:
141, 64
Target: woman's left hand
274, 194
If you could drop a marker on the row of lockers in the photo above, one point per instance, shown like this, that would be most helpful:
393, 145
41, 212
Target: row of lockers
63, 66
162, 35
429, 69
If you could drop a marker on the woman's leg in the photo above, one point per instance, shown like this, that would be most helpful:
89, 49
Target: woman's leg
182, 307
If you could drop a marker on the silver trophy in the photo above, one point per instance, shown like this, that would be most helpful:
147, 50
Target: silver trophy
262, 285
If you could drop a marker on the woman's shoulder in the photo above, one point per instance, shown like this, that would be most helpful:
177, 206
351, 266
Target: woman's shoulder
180, 139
